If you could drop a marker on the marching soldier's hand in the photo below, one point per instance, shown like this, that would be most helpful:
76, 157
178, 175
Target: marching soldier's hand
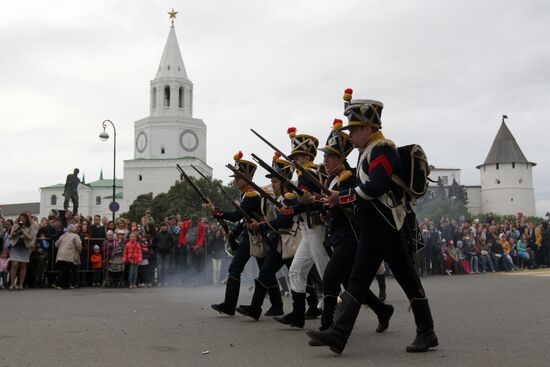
282, 208
306, 198
253, 225
334, 199
209, 206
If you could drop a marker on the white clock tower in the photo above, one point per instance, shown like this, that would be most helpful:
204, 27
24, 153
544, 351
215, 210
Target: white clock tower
170, 135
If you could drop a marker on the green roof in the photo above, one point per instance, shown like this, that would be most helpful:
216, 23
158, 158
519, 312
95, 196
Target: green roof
105, 183
98, 183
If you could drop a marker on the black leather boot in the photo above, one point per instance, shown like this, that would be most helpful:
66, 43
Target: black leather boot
313, 311
232, 288
327, 316
276, 300
337, 335
296, 317
382, 287
254, 310
425, 335
383, 311
329, 304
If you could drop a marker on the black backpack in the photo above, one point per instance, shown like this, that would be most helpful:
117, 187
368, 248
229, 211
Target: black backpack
414, 178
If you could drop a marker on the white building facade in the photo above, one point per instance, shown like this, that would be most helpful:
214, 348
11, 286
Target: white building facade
94, 197
170, 135
507, 177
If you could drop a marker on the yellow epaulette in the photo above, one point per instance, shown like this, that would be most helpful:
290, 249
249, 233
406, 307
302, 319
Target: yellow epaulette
344, 175
290, 196
308, 165
251, 194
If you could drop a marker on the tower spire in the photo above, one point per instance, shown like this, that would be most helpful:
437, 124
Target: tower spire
171, 63
172, 15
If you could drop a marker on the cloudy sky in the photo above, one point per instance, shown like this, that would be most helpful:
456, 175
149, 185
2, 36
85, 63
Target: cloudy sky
445, 70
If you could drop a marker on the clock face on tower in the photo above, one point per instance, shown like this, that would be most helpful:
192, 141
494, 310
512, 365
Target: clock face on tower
141, 142
189, 141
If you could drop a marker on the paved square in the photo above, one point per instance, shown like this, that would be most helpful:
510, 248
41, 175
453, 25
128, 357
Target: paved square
481, 320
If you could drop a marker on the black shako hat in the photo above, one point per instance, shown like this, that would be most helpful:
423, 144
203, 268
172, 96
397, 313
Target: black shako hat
283, 167
302, 143
362, 112
338, 141
247, 168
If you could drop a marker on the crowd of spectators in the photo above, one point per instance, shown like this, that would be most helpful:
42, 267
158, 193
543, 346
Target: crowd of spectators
66, 251
455, 247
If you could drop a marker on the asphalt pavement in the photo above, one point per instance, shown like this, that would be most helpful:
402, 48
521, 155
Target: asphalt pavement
481, 320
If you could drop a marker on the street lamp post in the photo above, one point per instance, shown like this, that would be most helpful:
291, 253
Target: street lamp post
104, 136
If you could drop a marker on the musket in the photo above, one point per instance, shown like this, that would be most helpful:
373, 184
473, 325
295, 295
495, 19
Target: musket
188, 179
254, 186
233, 244
228, 197
323, 189
279, 176
200, 173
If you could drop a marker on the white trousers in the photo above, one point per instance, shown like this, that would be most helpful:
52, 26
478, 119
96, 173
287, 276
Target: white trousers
310, 252
216, 270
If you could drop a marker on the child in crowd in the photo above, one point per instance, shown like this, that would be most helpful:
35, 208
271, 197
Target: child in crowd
120, 239
507, 252
145, 266
523, 251
473, 253
4, 259
485, 261
133, 256
462, 258
450, 257
41, 267
96, 261
108, 245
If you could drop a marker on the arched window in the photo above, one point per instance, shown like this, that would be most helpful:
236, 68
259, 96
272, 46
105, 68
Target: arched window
154, 98
180, 98
167, 96
162, 150
53, 199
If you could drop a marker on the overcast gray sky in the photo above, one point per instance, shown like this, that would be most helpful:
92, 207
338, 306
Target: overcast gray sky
445, 70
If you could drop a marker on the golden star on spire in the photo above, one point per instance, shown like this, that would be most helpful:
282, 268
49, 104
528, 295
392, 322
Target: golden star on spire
172, 15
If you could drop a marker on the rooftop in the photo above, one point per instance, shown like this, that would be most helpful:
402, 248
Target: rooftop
505, 149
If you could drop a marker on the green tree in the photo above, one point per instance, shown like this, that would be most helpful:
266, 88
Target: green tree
438, 208
182, 199
458, 192
138, 207
441, 193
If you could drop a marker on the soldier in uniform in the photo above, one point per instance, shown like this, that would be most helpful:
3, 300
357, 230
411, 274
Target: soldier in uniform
311, 251
71, 191
342, 231
276, 223
382, 211
250, 203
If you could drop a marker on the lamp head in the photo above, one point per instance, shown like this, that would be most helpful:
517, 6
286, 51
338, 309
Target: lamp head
104, 135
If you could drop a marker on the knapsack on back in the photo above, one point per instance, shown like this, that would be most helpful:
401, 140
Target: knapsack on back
414, 178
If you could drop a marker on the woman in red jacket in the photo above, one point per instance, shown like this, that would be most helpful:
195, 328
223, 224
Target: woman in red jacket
132, 255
